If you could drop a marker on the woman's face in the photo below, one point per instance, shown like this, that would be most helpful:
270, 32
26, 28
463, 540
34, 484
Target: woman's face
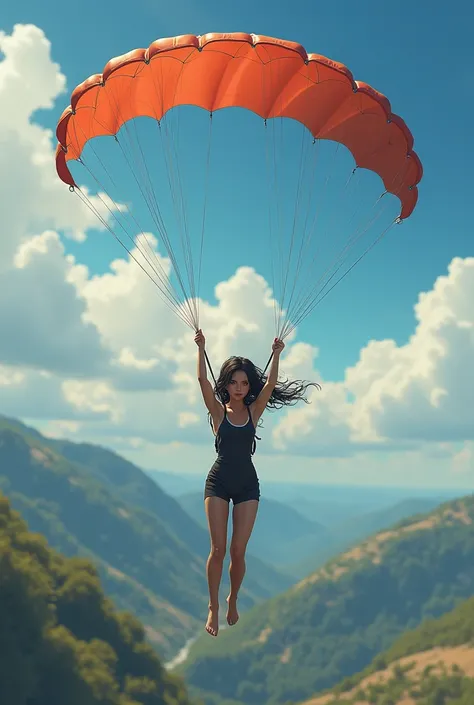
239, 385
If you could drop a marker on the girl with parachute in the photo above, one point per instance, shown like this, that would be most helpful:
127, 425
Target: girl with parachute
311, 114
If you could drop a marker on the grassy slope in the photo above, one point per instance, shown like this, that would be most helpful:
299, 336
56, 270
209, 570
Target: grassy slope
433, 663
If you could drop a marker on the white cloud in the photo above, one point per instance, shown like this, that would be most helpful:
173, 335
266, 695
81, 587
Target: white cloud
417, 392
321, 428
29, 80
125, 305
426, 389
121, 306
47, 325
91, 397
42, 316
463, 462
137, 374
33, 394
32, 198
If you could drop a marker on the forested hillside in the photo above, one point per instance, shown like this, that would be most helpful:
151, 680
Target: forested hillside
141, 561
61, 640
333, 623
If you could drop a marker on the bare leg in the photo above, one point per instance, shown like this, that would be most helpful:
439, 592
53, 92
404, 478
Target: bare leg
244, 515
217, 511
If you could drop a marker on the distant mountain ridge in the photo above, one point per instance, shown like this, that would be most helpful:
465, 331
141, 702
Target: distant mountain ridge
298, 533
354, 530
280, 533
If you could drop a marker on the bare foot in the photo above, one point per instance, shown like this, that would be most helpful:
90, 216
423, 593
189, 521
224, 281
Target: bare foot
212, 624
232, 614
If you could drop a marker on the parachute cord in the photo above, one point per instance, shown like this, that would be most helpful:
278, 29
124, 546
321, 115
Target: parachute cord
210, 368
266, 366
322, 295
86, 201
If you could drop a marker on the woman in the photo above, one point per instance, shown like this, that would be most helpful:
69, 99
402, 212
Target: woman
235, 406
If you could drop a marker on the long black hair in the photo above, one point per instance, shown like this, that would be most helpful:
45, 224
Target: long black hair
284, 394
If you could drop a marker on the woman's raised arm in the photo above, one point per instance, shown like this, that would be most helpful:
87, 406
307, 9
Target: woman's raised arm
260, 403
210, 400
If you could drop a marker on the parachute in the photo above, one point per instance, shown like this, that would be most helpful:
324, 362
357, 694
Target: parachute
157, 109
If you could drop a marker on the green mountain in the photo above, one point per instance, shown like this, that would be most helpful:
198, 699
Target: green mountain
430, 665
151, 555
333, 623
175, 483
371, 522
135, 487
281, 535
61, 640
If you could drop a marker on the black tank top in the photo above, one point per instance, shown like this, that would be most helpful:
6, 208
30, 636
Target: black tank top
235, 444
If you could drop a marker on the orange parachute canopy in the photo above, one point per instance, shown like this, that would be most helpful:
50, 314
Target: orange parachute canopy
271, 77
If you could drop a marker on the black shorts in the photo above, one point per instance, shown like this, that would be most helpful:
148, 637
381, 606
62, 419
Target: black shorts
215, 487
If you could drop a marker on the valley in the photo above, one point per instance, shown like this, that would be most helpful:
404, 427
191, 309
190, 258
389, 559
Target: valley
328, 611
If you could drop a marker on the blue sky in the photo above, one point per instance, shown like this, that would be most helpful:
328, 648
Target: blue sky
82, 351
421, 60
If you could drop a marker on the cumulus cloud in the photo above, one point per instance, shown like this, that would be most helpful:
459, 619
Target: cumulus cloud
90, 398
32, 198
425, 391
418, 392
40, 395
321, 428
125, 308
45, 323
42, 316
31, 393
134, 374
